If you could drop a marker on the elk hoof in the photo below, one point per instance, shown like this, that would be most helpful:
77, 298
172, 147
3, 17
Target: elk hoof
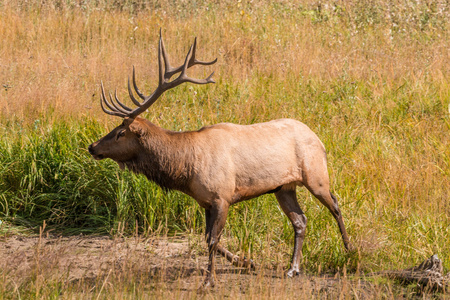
292, 273
251, 264
349, 248
243, 263
207, 284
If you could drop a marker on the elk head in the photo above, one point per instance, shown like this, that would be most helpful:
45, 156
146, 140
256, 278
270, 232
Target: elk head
123, 143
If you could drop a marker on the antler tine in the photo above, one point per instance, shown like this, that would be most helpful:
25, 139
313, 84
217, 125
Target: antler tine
109, 112
130, 92
192, 62
184, 78
160, 59
169, 70
195, 61
209, 78
113, 113
116, 107
149, 100
185, 66
142, 96
128, 109
105, 100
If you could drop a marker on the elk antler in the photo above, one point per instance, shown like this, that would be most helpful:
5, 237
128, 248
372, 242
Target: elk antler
117, 108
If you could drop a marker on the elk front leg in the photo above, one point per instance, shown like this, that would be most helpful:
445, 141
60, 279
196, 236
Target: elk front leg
288, 202
216, 217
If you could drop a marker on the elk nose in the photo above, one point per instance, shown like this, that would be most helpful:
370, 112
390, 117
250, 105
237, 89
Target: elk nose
91, 149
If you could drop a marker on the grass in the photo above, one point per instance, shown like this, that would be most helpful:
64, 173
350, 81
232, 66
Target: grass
370, 78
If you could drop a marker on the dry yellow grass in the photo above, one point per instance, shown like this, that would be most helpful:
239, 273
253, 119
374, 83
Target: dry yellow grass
55, 54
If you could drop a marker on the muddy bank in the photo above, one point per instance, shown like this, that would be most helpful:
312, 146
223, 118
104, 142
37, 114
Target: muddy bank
159, 266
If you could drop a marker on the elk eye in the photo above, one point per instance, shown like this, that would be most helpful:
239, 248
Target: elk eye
121, 133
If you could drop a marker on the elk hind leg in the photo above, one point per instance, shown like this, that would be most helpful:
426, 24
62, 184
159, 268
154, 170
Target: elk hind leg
322, 192
287, 199
236, 260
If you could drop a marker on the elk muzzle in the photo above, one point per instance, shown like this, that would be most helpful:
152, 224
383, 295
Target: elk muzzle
93, 152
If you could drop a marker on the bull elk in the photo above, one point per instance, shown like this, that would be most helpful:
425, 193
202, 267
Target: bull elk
222, 164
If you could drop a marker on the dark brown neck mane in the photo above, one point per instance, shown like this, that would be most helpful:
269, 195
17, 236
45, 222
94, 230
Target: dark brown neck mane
165, 158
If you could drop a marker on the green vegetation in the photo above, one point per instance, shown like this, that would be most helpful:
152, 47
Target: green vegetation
371, 78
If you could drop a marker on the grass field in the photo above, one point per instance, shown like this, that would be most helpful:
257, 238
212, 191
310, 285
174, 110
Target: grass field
371, 78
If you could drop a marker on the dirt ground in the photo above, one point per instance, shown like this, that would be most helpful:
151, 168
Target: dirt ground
158, 266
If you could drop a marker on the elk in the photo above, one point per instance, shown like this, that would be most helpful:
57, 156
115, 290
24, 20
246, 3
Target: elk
222, 164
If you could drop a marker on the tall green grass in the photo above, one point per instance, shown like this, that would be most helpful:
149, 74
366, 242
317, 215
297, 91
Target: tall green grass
48, 175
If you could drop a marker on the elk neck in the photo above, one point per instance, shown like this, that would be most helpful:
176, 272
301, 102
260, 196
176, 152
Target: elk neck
167, 157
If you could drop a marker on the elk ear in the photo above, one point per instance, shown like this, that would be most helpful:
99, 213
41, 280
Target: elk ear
137, 129
127, 121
